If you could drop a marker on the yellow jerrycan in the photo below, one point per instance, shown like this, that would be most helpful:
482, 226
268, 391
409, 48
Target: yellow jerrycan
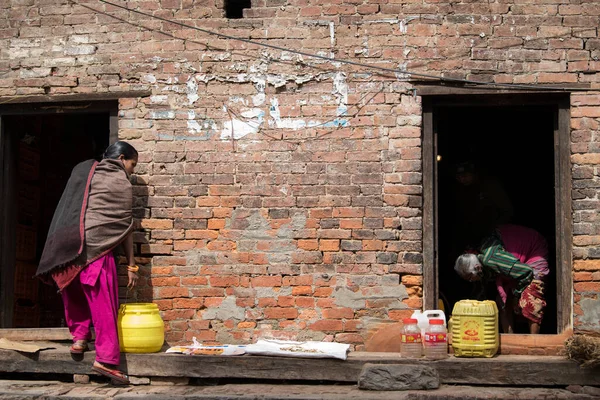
474, 328
141, 329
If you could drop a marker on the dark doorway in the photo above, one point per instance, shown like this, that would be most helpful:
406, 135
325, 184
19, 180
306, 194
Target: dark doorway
234, 9
41, 150
512, 146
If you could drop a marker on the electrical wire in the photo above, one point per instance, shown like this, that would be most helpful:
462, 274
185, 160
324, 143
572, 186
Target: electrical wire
434, 78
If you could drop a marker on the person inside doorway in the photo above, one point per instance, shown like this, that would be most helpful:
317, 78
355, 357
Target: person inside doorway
516, 257
480, 203
93, 217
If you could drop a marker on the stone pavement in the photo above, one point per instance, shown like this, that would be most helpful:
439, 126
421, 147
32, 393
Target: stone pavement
55, 390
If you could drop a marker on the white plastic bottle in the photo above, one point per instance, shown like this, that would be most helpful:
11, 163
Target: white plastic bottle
411, 345
436, 340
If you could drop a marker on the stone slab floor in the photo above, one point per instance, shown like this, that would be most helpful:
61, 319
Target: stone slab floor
11, 389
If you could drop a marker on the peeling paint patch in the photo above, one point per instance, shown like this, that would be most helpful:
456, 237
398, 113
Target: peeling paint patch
238, 128
149, 78
170, 114
192, 90
332, 33
259, 98
159, 99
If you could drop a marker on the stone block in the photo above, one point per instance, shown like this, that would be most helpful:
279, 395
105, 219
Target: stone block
81, 379
398, 377
139, 380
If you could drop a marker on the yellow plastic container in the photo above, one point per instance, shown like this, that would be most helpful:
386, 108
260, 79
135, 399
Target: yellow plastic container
141, 329
474, 328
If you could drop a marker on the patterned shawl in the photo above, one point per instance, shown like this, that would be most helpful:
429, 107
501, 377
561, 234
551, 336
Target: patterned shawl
104, 220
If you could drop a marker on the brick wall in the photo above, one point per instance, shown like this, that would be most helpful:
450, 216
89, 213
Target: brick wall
280, 195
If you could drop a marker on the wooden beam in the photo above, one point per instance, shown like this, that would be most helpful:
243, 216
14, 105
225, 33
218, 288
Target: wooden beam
424, 89
500, 370
430, 286
564, 218
34, 334
60, 98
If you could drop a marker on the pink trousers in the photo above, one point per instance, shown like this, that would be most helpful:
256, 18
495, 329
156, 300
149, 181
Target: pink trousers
93, 298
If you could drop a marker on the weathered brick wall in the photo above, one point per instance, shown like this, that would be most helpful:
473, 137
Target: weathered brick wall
280, 195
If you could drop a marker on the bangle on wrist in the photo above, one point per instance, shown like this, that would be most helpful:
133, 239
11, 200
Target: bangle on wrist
133, 268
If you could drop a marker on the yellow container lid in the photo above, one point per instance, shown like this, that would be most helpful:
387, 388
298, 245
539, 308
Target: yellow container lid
475, 308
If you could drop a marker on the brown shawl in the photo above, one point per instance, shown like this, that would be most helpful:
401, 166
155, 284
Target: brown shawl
108, 218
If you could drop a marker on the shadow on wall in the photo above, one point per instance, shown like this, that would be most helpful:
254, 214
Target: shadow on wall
143, 291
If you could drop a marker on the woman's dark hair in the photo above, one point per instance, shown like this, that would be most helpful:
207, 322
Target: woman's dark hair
116, 149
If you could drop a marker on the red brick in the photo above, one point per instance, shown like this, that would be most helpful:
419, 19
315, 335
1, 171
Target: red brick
351, 223
281, 312
349, 338
216, 223
304, 302
329, 245
157, 224
188, 303
286, 301
267, 302
302, 290
194, 281
266, 281
308, 244
166, 293
327, 325
587, 287
587, 265
338, 313
224, 281
323, 292
165, 281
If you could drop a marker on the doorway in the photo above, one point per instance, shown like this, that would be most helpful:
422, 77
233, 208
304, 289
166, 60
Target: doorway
514, 144
38, 151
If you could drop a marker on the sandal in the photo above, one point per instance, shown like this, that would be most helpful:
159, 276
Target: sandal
116, 375
79, 347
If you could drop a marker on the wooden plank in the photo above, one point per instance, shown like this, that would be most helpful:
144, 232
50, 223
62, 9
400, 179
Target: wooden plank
497, 99
113, 135
500, 370
564, 215
424, 89
74, 97
30, 334
429, 270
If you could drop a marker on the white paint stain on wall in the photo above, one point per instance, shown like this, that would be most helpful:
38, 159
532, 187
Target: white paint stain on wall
288, 123
250, 122
340, 91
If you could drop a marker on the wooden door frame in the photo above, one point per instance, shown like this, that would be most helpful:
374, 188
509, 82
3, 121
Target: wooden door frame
8, 173
563, 184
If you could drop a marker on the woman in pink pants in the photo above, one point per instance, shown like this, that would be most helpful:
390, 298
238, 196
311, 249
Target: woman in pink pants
93, 217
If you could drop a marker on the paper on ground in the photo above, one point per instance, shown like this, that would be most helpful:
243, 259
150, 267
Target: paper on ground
287, 348
24, 347
198, 349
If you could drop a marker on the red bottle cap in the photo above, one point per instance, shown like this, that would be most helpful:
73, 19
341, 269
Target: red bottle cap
409, 321
436, 322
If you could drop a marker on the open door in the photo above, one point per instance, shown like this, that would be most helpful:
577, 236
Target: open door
519, 142
39, 146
